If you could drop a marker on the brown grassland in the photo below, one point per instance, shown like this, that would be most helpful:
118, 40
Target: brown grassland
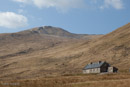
91, 80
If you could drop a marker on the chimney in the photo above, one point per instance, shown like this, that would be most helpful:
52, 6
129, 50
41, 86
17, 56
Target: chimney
100, 61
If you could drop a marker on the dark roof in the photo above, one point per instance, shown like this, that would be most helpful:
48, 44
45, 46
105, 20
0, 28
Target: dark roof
94, 65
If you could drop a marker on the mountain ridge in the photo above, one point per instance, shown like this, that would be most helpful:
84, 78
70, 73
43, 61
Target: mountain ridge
56, 31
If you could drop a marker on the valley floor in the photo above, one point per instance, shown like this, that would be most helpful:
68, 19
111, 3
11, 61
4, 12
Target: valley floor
106, 80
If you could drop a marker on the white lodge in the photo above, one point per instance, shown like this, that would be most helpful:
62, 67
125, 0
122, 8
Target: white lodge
99, 67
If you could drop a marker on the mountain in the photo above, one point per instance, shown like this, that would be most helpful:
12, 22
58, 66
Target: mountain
55, 31
43, 52
37, 38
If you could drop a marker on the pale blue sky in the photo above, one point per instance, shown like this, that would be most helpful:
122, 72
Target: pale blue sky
76, 16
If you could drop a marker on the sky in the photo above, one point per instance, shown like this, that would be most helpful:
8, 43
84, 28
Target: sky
76, 16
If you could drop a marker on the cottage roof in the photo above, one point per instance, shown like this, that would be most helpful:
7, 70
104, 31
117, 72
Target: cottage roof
94, 65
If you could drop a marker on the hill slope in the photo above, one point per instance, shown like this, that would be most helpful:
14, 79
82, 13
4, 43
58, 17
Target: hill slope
65, 56
37, 38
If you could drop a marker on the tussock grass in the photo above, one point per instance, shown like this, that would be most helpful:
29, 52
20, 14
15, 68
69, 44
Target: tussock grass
106, 80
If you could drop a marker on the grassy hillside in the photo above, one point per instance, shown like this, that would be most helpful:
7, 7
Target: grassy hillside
32, 55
